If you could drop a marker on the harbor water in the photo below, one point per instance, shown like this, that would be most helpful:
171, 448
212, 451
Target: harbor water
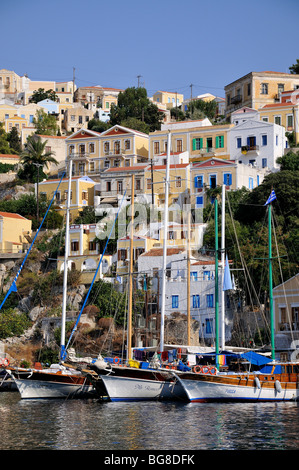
94, 425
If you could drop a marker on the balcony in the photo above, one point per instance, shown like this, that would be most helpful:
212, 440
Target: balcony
254, 149
79, 156
236, 99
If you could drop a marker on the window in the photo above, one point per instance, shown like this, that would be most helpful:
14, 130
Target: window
175, 301
227, 179
264, 88
108, 186
219, 141
138, 185
213, 181
127, 144
92, 246
117, 147
209, 326
72, 117
264, 140
156, 148
210, 300
127, 162
198, 181
84, 195
197, 144
199, 201
148, 183
193, 276
248, 89
277, 120
91, 166
196, 301
80, 119
120, 186
280, 87
65, 194
106, 147
116, 163
290, 121
209, 144
265, 119
250, 183
179, 145
206, 275
57, 197
75, 245
81, 149
239, 142
264, 162
106, 164
276, 139
178, 182
91, 148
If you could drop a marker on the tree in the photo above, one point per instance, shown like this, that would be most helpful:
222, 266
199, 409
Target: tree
4, 144
36, 156
45, 123
294, 69
41, 94
14, 141
97, 125
134, 103
200, 108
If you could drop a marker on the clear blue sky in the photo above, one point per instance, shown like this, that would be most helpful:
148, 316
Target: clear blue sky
170, 43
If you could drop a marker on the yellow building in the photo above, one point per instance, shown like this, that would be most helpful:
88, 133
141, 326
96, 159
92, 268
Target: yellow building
285, 113
256, 89
15, 121
169, 99
13, 232
84, 254
179, 183
141, 245
82, 193
199, 138
94, 152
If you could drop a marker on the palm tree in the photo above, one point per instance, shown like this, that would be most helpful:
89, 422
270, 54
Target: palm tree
35, 155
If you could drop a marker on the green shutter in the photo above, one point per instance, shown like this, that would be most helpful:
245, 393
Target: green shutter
217, 142
194, 144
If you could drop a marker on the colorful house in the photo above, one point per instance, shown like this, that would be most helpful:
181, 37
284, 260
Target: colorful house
82, 193
15, 233
84, 253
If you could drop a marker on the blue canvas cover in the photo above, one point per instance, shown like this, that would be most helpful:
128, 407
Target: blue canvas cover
255, 358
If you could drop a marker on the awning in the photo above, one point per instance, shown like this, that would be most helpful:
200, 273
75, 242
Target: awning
255, 358
109, 200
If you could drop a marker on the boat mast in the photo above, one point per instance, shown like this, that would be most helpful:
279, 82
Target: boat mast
66, 253
216, 288
165, 245
222, 334
129, 332
271, 283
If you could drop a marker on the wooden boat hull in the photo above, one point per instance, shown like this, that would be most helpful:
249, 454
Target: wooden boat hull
238, 387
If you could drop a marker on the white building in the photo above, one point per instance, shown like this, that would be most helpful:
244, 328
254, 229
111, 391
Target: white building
256, 142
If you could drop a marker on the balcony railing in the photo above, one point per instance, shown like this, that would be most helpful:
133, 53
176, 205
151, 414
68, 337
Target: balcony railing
236, 99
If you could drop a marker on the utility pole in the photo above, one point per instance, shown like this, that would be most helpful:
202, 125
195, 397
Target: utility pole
191, 100
139, 76
37, 205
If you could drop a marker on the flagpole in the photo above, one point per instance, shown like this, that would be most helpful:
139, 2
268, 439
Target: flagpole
222, 334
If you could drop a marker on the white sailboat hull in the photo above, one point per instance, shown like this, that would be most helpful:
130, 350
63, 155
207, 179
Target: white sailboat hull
206, 391
40, 389
138, 389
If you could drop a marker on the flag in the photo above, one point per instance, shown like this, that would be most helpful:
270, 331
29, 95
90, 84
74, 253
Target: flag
227, 282
13, 288
271, 198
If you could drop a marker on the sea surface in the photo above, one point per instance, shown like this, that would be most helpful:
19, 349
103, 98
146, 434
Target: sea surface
65, 424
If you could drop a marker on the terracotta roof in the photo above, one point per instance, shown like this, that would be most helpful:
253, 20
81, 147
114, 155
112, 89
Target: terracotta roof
159, 252
11, 215
9, 155
179, 165
126, 168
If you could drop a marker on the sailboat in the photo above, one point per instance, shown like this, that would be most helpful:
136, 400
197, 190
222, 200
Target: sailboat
152, 382
273, 381
59, 380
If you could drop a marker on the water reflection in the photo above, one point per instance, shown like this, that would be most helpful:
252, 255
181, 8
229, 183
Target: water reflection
90, 424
